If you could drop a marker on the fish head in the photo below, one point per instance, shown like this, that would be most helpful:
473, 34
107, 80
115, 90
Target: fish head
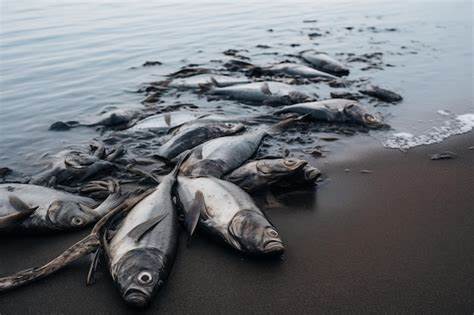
252, 233
231, 128
359, 115
69, 214
279, 166
139, 274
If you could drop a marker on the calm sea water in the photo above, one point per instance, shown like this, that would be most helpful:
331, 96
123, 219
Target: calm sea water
63, 60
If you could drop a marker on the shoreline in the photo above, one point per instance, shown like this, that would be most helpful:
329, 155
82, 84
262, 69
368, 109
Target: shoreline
393, 240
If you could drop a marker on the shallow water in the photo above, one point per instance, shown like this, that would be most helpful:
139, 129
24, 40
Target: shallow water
63, 61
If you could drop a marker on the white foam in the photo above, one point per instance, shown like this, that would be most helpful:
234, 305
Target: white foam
404, 140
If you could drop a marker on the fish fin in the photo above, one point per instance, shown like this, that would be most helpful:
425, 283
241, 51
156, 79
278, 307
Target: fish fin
168, 119
138, 232
93, 267
266, 89
20, 205
7, 220
192, 216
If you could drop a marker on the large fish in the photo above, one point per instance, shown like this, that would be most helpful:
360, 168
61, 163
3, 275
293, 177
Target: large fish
223, 209
187, 136
32, 208
219, 156
266, 93
323, 62
261, 174
142, 250
335, 110
296, 70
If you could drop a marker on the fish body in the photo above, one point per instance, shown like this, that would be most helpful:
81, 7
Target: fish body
265, 93
335, 110
195, 82
143, 249
261, 174
302, 71
323, 62
32, 208
190, 135
382, 94
222, 155
228, 212
165, 121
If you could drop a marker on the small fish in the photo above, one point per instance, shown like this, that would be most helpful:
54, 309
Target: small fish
261, 174
382, 94
337, 111
323, 62
293, 69
195, 82
166, 121
261, 93
119, 118
32, 208
69, 166
223, 209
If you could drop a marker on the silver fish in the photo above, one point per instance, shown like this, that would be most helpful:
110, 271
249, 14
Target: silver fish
382, 94
32, 208
75, 165
323, 62
195, 82
266, 93
335, 110
293, 69
260, 174
223, 209
142, 251
166, 121
187, 136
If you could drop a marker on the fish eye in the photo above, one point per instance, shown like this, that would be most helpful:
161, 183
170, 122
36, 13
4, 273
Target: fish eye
145, 277
77, 221
290, 162
273, 233
370, 118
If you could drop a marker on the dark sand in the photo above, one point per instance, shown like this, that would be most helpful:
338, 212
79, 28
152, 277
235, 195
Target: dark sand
397, 240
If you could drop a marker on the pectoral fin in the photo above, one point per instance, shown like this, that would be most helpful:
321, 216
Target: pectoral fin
265, 89
24, 211
192, 216
140, 230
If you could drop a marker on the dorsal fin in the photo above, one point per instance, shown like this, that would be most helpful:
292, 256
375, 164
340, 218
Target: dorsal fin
192, 215
266, 89
168, 119
138, 232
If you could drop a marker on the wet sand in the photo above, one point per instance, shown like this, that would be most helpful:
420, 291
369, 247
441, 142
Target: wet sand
397, 240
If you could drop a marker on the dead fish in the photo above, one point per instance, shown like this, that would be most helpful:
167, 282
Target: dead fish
293, 69
118, 118
32, 208
323, 62
223, 209
73, 165
219, 156
446, 155
265, 93
142, 250
335, 110
195, 82
261, 174
166, 121
382, 94
189, 135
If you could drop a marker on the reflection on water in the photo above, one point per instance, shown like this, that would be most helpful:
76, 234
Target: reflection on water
68, 60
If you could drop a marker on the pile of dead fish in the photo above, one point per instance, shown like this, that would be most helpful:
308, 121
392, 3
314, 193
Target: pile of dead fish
175, 165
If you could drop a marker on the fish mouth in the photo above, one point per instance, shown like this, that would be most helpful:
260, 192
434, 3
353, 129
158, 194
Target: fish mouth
273, 247
313, 175
136, 298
